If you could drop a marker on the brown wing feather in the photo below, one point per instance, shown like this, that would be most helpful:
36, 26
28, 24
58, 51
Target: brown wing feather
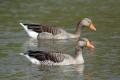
42, 56
44, 28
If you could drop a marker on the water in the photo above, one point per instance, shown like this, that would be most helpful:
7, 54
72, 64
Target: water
101, 64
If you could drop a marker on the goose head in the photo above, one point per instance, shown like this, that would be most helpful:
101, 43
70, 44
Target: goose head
84, 42
86, 22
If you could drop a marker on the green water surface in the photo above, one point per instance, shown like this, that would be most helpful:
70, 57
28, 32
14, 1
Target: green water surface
101, 64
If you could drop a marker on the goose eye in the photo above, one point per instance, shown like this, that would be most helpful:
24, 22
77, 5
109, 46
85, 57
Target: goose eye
89, 22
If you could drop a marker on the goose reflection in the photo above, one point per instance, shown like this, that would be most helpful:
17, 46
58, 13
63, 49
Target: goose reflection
72, 68
59, 72
41, 44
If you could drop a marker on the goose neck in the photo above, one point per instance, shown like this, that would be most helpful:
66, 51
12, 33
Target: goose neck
78, 28
78, 55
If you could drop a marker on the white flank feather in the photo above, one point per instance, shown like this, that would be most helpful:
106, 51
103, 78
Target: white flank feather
33, 60
31, 33
22, 54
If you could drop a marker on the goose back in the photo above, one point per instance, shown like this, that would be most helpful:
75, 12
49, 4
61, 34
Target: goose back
44, 28
55, 57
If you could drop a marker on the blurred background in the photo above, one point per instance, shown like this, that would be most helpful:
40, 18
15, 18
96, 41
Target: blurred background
101, 64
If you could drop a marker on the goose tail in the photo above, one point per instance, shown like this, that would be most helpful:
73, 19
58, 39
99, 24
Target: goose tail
22, 54
30, 32
25, 27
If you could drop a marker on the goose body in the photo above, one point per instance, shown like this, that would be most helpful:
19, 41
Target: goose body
57, 58
49, 58
38, 31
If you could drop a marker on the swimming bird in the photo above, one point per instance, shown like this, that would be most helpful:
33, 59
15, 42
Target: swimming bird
58, 58
38, 31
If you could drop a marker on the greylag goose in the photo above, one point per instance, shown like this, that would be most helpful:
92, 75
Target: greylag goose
51, 32
58, 58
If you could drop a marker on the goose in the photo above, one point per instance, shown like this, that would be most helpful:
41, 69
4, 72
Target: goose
58, 58
38, 31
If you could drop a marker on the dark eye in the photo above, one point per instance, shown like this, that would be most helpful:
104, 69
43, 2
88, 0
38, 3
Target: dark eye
88, 22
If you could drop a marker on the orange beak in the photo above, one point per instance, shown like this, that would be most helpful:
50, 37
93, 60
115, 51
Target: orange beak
92, 27
90, 45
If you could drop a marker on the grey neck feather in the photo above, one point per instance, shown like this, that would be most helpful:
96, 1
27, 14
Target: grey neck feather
78, 54
78, 50
78, 29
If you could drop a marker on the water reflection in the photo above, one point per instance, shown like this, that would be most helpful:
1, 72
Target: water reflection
56, 72
30, 44
59, 69
49, 45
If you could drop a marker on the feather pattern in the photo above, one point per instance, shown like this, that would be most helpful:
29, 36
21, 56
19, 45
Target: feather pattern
46, 56
44, 28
